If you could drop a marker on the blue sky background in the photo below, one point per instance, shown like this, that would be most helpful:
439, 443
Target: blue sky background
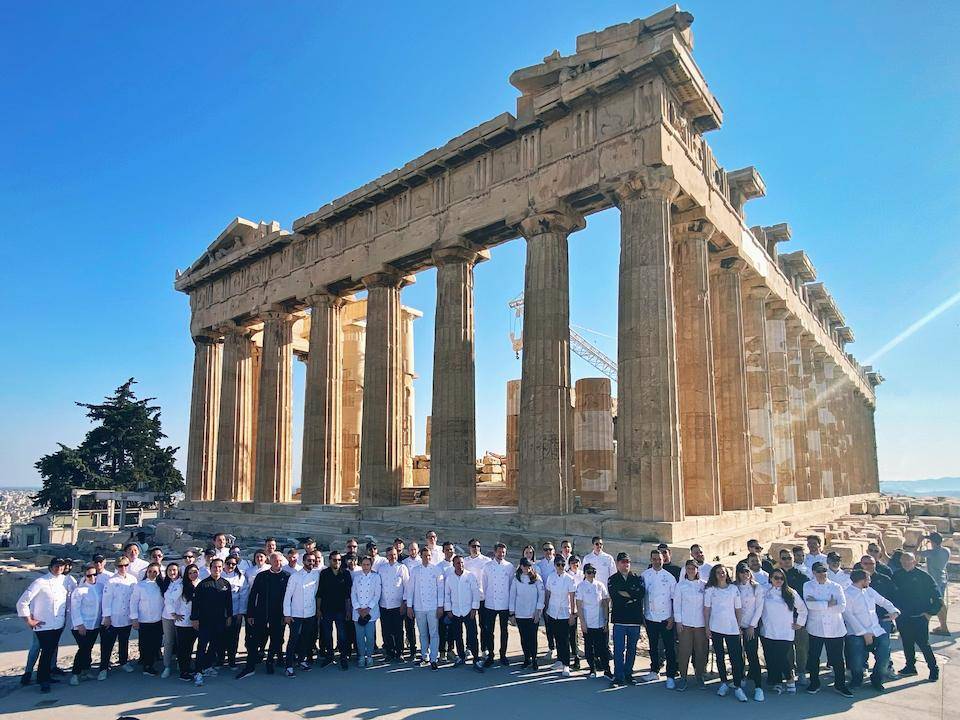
132, 135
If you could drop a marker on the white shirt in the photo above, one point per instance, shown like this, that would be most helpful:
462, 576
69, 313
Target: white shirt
751, 604
658, 600
425, 589
365, 593
704, 571
240, 590
446, 566
251, 573
723, 604
167, 601
824, 620
174, 604
840, 577
545, 568
558, 589
146, 602
393, 581
103, 576
436, 555
116, 599
776, 622
762, 577
526, 598
860, 615
85, 606
577, 576
603, 563
45, 599
688, 602
221, 553
496, 581
475, 565
138, 568
300, 599
411, 562
809, 560
292, 569
461, 593
591, 594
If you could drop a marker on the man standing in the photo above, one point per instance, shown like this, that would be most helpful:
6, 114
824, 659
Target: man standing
703, 567
936, 558
43, 607
658, 618
461, 602
424, 598
293, 562
220, 548
801, 639
545, 570
864, 631
918, 600
497, 578
211, 614
393, 579
446, 565
814, 553
603, 564
836, 573
137, 566
265, 615
411, 561
335, 586
593, 609
300, 613
626, 613
561, 611
436, 554
474, 564
754, 547
670, 567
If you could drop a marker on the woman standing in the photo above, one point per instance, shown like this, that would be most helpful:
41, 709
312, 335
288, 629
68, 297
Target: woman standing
526, 606
691, 632
179, 603
784, 612
241, 593
721, 614
146, 612
529, 553
751, 609
171, 578
85, 616
115, 623
365, 599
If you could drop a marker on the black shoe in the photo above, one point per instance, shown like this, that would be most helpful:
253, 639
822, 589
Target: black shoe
907, 672
434, 666
186, 677
246, 672
325, 662
525, 664
45, 688
269, 668
615, 683
608, 675
630, 681
477, 667
343, 665
504, 662
150, 671
26, 678
58, 671
576, 664
813, 688
843, 690
877, 685
534, 665
934, 674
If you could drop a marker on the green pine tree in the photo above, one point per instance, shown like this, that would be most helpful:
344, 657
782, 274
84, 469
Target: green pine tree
122, 452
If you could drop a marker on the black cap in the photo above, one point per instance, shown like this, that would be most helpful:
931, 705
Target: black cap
589, 568
663, 546
99, 558
623, 556
935, 537
57, 561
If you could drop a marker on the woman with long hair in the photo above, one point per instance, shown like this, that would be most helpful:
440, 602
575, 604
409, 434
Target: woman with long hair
171, 578
178, 600
146, 616
529, 553
784, 612
721, 615
526, 606
751, 609
691, 632
241, 593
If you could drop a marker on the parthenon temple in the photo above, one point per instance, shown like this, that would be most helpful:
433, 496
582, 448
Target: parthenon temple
738, 404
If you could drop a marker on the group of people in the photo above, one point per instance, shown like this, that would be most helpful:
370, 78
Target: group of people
300, 609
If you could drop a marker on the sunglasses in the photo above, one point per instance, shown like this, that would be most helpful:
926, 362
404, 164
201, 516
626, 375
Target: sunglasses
590, 572
189, 557
91, 575
123, 564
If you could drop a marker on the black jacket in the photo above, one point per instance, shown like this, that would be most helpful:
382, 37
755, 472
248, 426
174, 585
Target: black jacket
212, 602
674, 570
626, 598
266, 596
796, 580
916, 593
333, 590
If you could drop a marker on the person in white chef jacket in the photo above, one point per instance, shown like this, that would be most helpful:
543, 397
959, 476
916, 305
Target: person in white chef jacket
497, 579
722, 609
784, 612
836, 573
138, 566
115, 622
146, 617
602, 562
424, 598
751, 610
240, 590
658, 618
561, 611
690, 628
865, 634
814, 554
826, 602
593, 609
461, 603
43, 607
365, 601
527, 596
85, 605
300, 613
394, 577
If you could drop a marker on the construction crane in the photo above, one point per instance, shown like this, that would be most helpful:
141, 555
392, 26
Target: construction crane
580, 345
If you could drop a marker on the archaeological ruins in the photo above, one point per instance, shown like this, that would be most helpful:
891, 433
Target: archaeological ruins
739, 410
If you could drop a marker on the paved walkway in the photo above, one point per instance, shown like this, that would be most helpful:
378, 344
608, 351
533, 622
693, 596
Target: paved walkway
398, 692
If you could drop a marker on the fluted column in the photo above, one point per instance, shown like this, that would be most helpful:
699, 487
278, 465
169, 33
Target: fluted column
453, 427
649, 475
545, 454
730, 387
320, 476
237, 417
274, 476
784, 459
204, 406
695, 369
811, 408
759, 409
798, 413
381, 443
873, 471
824, 370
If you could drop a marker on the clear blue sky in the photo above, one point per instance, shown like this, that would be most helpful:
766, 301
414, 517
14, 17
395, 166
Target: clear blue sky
131, 136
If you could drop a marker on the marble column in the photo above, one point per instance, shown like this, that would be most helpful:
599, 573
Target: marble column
798, 412
237, 417
873, 470
354, 343
649, 474
811, 407
834, 395
453, 425
204, 408
784, 458
381, 442
695, 370
730, 387
274, 476
829, 442
320, 476
545, 452
759, 409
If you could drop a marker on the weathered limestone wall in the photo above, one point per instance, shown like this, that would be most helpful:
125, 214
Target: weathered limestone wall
513, 433
594, 459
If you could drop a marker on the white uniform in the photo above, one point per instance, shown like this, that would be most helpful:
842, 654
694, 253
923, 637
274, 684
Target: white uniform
823, 619
526, 598
809, 560
762, 577
393, 582
45, 599
592, 594
658, 600
146, 602
688, 602
365, 593
602, 562
425, 589
558, 589
860, 615
240, 590
751, 604
300, 598
116, 599
777, 620
840, 577
85, 606
496, 581
461, 593
436, 555
723, 604
704, 571
103, 576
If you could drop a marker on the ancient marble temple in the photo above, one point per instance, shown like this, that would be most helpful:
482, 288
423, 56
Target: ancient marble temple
736, 390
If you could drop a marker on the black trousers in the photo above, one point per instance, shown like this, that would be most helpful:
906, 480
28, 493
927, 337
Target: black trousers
446, 637
915, 633
487, 630
272, 630
391, 627
49, 642
300, 641
210, 638
186, 637
734, 649
574, 640
85, 643
231, 642
777, 656
561, 636
751, 649
834, 659
658, 631
109, 636
597, 648
410, 630
328, 621
455, 633
528, 637
150, 643
548, 628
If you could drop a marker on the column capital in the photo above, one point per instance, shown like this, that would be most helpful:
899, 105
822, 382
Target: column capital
560, 219
323, 297
650, 183
211, 336
734, 265
454, 252
777, 310
275, 311
234, 329
388, 277
699, 229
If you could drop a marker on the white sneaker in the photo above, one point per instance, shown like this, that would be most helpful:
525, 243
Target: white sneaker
650, 676
565, 672
74, 680
739, 694
166, 673
198, 680
758, 695
671, 683
102, 675
723, 690
557, 666
129, 667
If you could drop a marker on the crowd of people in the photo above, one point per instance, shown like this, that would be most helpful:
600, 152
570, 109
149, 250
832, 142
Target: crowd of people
300, 608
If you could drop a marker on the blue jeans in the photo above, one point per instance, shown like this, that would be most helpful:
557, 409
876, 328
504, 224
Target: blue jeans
625, 639
857, 651
429, 631
366, 637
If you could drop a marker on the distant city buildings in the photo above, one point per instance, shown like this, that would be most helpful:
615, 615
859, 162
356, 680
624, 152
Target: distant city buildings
16, 507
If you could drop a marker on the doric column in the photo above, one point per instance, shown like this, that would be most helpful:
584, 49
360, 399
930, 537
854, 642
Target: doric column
695, 370
649, 476
834, 398
237, 417
453, 425
204, 406
873, 471
545, 454
783, 455
354, 343
759, 411
730, 387
320, 478
829, 441
274, 476
381, 443
811, 407
798, 412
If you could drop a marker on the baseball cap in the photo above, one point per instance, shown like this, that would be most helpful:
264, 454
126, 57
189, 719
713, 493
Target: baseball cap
99, 558
623, 556
935, 537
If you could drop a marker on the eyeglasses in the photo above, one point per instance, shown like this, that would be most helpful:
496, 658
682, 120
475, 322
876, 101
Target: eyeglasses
589, 572
231, 564
189, 557
91, 575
